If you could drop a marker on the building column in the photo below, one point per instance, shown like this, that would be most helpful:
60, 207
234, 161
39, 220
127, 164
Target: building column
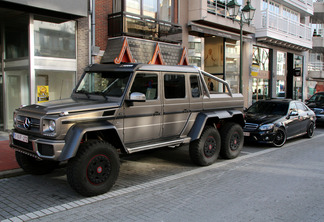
273, 73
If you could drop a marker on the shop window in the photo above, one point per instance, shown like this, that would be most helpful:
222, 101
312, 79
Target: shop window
55, 40
53, 85
260, 57
214, 55
232, 62
16, 41
195, 51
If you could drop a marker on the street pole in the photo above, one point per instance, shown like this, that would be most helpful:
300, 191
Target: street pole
241, 54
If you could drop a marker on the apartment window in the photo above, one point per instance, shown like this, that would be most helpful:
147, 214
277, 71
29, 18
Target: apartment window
157, 9
264, 4
133, 6
274, 7
290, 14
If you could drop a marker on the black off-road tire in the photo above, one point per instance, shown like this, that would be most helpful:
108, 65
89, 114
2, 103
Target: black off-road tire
94, 169
310, 130
34, 166
280, 138
232, 140
205, 150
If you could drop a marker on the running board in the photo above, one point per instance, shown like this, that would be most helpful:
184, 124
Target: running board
159, 144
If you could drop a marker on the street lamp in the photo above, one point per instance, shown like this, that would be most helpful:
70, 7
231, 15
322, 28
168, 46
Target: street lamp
247, 13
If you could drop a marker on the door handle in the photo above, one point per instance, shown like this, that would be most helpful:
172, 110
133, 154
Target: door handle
156, 113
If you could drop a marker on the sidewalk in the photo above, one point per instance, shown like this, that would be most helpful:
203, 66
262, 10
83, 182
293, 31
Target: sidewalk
8, 163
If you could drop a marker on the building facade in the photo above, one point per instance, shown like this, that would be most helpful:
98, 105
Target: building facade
315, 78
39, 51
283, 39
275, 46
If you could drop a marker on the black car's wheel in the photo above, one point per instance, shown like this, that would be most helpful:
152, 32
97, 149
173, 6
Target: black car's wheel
34, 166
95, 168
232, 140
205, 150
310, 130
280, 138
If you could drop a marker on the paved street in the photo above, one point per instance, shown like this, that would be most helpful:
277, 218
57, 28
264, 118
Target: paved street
263, 184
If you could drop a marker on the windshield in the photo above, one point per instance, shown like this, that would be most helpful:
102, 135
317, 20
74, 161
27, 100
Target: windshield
103, 83
317, 98
269, 108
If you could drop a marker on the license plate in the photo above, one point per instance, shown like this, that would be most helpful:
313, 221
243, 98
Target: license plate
20, 137
246, 133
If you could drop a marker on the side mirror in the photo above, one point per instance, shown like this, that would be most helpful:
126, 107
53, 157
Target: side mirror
137, 97
293, 113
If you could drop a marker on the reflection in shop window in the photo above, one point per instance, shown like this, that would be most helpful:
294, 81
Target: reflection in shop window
195, 51
281, 63
281, 89
232, 62
261, 58
55, 40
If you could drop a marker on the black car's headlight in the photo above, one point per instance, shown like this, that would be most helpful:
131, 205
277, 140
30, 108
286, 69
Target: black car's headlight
266, 127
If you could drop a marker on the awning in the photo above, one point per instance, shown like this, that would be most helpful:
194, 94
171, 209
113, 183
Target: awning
216, 32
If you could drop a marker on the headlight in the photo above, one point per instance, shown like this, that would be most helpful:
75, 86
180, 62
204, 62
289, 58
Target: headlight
52, 125
266, 127
15, 118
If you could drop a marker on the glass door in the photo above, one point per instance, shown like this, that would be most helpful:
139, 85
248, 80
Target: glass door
1, 102
17, 93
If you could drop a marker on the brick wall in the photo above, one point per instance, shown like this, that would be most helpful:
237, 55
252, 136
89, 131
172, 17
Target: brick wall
82, 45
103, 8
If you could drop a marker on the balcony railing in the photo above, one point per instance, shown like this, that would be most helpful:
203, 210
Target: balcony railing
316, 66
286, 26
124, 23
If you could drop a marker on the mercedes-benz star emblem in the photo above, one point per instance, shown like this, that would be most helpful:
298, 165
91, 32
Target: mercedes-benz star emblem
27, 123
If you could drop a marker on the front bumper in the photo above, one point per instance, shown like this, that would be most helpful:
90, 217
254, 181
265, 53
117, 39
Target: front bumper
36, 147
259, 136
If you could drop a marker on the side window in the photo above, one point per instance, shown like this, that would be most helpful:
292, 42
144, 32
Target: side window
174, 86
195, 86
301, 107
292, 107
147, 84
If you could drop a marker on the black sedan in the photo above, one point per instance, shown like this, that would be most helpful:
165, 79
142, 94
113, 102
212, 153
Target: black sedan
316, 103
274, 121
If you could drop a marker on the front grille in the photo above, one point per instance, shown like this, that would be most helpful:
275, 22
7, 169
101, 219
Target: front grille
33, 124
250, 126
28, 146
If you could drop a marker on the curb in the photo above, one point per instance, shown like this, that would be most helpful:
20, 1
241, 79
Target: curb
11, 173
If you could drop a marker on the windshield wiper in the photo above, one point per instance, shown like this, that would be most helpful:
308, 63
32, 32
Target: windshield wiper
84, 92
102, 94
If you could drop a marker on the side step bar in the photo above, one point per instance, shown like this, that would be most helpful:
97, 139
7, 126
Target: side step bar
153, 145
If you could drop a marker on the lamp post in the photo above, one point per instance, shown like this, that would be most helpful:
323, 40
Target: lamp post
247, 13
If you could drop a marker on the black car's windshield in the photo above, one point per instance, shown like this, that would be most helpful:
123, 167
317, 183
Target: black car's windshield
317, 98
269, 108
103, 83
